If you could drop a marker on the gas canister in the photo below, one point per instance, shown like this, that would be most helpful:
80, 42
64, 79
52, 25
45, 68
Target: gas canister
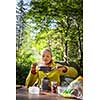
45, 84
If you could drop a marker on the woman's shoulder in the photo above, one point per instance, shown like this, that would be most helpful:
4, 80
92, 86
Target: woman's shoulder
53, 64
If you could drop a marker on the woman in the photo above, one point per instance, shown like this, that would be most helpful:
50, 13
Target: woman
47, 68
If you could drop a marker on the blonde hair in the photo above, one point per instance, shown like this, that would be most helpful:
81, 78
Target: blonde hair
46, 49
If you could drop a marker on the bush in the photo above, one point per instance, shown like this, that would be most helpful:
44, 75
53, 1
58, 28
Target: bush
21, 73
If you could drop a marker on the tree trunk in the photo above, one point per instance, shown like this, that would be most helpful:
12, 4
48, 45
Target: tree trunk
80, 48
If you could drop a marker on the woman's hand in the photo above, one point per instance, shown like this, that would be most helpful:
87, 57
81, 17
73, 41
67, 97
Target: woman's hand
61, 68
33, 68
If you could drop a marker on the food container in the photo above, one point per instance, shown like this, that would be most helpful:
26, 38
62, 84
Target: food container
60, 89
34, 90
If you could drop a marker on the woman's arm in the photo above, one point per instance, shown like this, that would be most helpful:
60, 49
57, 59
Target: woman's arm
71, 72
32, 76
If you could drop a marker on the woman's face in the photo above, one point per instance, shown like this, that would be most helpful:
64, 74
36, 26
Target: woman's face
46, 57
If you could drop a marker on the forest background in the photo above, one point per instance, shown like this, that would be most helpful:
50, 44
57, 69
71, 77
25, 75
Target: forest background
56, 24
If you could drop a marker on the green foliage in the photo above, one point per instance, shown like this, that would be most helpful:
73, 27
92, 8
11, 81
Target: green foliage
21, 73
60, 25
56, 24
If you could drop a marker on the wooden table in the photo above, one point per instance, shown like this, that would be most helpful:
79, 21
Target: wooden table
22, 94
